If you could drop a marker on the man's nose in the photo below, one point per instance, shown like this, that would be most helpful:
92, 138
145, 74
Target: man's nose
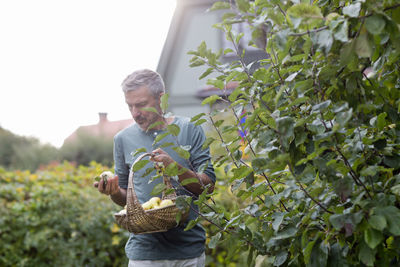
135, 112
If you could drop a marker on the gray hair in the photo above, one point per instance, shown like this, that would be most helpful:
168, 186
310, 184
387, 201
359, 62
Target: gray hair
144, 77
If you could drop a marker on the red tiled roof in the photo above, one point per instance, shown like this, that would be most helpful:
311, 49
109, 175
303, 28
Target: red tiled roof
104, 128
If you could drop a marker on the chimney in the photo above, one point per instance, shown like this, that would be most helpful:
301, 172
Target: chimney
102, 117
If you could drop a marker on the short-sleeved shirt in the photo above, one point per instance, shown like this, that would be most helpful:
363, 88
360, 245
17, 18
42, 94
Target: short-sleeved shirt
175, 243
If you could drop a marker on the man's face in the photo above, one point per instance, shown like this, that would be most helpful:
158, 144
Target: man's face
139, 99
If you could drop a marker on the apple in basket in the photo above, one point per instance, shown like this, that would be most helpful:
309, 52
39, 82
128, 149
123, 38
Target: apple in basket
152, 203
156, 202
166, 203
122, 212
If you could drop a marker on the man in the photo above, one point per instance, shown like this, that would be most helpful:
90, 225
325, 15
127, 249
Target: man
176, 247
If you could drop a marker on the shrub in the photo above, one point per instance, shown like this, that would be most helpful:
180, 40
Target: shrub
27, 153
87, 148
318, 181
54, 217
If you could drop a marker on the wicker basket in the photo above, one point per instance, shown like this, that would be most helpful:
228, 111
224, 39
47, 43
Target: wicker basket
139, 221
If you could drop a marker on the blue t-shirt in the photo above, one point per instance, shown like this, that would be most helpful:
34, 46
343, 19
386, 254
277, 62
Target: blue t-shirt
175, 243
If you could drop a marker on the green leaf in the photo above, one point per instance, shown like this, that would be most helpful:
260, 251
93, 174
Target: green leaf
220, 5
340, 29
243, 5
158, 188
206, 73
182, 152
377, 222
304, 13
172, 169
138, 151
216, 83
164, 102
202, 49
396, 190
307, 251
148, 171
140, 164
278, 219
366, 255
347, 53
196, 117
241, 172
380, 121
200, 122
321, 106
173, 129
285, 126
323, 40
363, 47
208, 142
372, 237
319, 255
154, 124
190, 225
352, 10
214, 240
166, 144
343, 117
280, 258
259, 164
369, 171
291, 77
299, 100
286, 233
150, 109
375, 24
189, 181
392, 216
210, 100
160, 137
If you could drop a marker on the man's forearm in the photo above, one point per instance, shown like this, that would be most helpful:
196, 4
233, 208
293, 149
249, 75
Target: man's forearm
120, 197
197, 188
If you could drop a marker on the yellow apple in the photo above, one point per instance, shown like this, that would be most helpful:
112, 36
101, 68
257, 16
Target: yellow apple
147, 205
155, 201
121, 212
107, 175
166, 202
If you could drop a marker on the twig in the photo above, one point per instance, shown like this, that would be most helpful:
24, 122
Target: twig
305, 191
309, 31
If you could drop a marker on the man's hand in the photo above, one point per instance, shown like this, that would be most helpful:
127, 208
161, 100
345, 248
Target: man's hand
111, 188
159, 155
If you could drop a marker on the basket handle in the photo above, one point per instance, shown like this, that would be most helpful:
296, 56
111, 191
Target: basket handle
131, 186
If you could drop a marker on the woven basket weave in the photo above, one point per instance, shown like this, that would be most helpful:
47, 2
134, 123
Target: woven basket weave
140, 221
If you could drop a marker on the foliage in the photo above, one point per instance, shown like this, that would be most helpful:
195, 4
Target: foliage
87, 148
27, 153
54, 217
18, 152
320, 184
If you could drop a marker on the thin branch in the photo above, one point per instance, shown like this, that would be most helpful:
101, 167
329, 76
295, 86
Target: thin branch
231, 231
309, 31
385, 9
305, 191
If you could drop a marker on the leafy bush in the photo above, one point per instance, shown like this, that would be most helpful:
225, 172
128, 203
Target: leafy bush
318, 181
18, 152
54, 217
87, 148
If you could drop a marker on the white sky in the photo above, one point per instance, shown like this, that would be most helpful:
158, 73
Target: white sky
62, 61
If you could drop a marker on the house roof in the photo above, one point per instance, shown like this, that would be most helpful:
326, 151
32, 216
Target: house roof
176, 29
103, 128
